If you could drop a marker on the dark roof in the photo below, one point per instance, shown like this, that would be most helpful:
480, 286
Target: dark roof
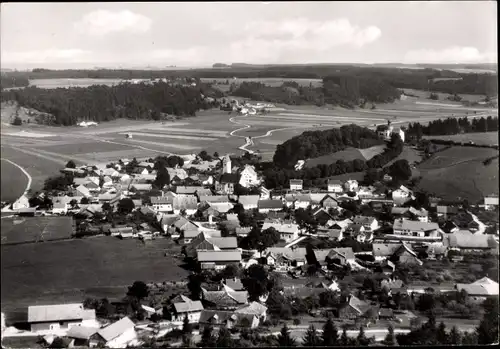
269, 204
229, 178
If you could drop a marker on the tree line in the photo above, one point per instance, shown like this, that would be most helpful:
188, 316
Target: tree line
11, 81
452, 126
104, 103
311, 144
279, 177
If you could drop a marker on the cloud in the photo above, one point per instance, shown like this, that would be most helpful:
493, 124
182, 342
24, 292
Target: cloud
455, 54
46, 56
102, 22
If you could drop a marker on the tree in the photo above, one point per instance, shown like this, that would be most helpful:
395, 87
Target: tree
361, 339
186, 326
216, 155
224, 339
487, 331
17, 121
84, 201
261, 240
441, 335
138, 290
194, 286
71, 164
284, 338
125, 205
207, 338
311, 338
162, 178
400, 170
344, 339
230, 271
106, 207
330, 335
255, 281
455, 337
187, 340
390, 338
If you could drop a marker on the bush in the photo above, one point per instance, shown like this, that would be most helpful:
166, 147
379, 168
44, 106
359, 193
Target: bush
17, 121
296, 321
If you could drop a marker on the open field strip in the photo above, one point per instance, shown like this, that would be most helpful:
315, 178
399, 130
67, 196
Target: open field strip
97, 131
159, 135
33, 153
77, 147
189, 134
296, 123
62, 156
188, 130
479, 138
318, 117
171, 145
29, 134
129, 153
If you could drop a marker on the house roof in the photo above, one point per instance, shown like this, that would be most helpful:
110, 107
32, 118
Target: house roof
269, 204
214, 198
81, 332
296, 181
360, 306
491, 200
248, 199
58, 312
225, 298
234, 284
363, 220
219, 256
188, 306
282, 227
186, 189
229, 178
219, 317
404, 224
224, 242
84, 190
185, 202
142, 187
254, 308
334, 182
116, 329
321, 254
162, 200
221, 207
346, 252
467, 240
298, 253
177, 172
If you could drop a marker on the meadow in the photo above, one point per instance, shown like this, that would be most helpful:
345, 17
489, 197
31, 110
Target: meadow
348, 154
34, 229
65, 83
458, 173
13, 188
69, 271
486, 138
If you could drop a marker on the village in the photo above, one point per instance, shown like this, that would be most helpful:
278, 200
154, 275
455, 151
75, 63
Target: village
361, 256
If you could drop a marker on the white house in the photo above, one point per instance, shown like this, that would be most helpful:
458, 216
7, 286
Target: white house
60, 208
58, 319
117, 335
187, 307
386, 131
296, 184
368, 223
265, 206
288, 231
248, 202
402, 195
335, 186
413, 228
351, 185
162, 203
22, 202
248, 177
185, 202
490, 202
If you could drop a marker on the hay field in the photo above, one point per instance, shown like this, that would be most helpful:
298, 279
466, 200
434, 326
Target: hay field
65, 83
348, 154
35, 229
273, 82
486, 138
40, 271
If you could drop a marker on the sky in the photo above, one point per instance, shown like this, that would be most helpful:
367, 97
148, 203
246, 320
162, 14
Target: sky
190, 34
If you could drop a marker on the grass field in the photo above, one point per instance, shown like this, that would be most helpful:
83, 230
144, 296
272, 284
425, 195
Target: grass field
459, 173
14, 187
486, 138
32, 229
348, 154
64, 83
267, 81
68, 271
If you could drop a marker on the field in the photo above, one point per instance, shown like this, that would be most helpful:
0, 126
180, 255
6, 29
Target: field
64, 83
69, 271
486, 138
459, 173
35, 229
348, 154
13, 188
273, 82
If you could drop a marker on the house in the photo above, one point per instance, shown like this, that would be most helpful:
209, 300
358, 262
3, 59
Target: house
265, 206
254, 308
59, 318
249, 202
302, 201
177, 174
284, 259
22, 202
218, 260
204, 242
467, 242
386, 131
80, 335
402, 195
226, 183
140, 171
322, 216
351, 185
466, 221
189, 204
146, 164
187, 190
224, 299
117, 335
141, 187
248, 177
265, 194
296, 184
186, 308
490, 202
414, 228
233, 285
60, 208
405, 255
479, 290
354, 308
386, 314
446, 211
335, 186
329, 202
387, 267
229, 319
288, 231
421, 215
339, 226
369, 223
341, 256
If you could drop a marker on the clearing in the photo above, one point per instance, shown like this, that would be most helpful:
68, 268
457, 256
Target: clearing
348, 154
40, 271
35, 229
486, 138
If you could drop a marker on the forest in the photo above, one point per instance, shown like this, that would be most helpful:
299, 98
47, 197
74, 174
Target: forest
104, 103
13, 81
453, 126
421, 79
311, 144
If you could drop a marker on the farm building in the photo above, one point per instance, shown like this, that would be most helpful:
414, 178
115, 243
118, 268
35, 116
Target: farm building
296, 184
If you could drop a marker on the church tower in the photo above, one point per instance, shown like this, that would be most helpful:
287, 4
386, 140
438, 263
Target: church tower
226, 164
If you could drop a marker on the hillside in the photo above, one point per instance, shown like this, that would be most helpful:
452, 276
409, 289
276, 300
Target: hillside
348, 154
